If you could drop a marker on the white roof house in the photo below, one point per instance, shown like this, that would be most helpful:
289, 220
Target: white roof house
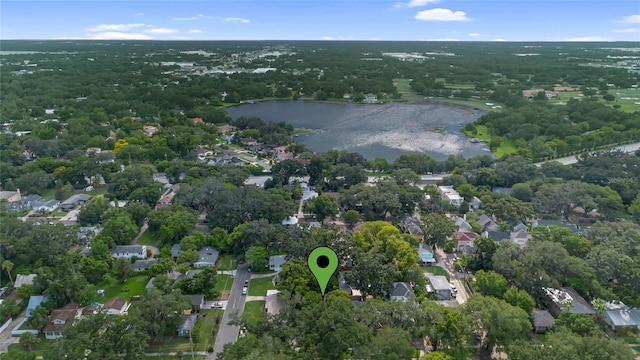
276, 262
450, 195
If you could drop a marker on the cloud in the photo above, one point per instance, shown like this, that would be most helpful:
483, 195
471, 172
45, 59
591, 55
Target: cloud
116, 35
161, 31
478, 35
499, 39
629, 30
337, 38
440, 14
415, 3
631, 19
179, 38
192, 18
114, 27
195, 31
140, 14
587, 38
237, 20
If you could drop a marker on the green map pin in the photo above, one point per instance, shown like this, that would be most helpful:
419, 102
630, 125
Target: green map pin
323, 262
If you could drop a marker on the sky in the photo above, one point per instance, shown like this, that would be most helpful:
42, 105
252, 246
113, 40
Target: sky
425, 20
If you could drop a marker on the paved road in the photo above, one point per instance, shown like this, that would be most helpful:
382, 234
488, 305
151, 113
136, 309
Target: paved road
568, 160
229, 333
5, 337
462, 295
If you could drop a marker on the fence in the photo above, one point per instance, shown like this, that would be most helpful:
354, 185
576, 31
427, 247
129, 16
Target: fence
17, 331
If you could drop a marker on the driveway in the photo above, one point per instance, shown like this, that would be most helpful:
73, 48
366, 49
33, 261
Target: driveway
5, 337
445, 263
229, 333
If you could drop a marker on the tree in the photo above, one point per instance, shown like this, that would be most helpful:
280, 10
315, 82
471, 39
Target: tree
25, 291
29, 340
7, 266
436, 355
258, 257
372, 275
323, 206
490, 283
351, 218
91, 213
159, 313
438, 228
519, 298
608, 97
120, 227
497, 322
123, 269
389, 343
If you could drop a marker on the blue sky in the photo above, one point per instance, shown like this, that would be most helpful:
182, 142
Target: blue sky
511, 20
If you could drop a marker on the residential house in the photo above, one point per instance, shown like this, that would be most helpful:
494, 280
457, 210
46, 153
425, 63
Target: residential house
60, 320
566, 299
116, 306
426, 258
34, 302
73, 201
26, 202
538, 222
487, 223
618, 316
542, 320
475, 203
248, 142
47, 206
520, 237
29, 155
450, 195
187, 323
290, 220
166, 199
402, 291
530, 94
370, 98
10, 196
149, 130
465, 242
441, 287
24, 280
208, 257
496, 236
141, 265
411, 225
129, 251
276, 262
176, 250
197, 302
197, 120
518, 225
87, 233
462, 224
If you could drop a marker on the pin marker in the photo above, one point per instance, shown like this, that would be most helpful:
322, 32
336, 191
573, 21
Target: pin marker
323, 262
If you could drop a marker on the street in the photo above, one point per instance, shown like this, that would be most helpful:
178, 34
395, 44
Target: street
229, 333
5, 337
462, 295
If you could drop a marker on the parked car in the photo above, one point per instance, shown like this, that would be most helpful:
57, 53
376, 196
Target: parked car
246, 283
244, 290
216, 305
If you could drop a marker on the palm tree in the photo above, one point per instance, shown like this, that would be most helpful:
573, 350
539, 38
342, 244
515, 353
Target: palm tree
7, 265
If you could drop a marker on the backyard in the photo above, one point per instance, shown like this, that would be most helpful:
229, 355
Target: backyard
435, 270
125, 290
223, 286
252, 311
227, 262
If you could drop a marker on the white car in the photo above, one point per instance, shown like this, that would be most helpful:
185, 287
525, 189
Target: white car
244, 290
216, 305
453, 288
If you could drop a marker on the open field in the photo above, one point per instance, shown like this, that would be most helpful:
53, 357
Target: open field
115, 289
506, 146
626, 98
207, 329
435, 270
147, 238
259, 287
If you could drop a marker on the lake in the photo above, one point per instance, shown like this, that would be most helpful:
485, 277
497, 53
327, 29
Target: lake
374, 130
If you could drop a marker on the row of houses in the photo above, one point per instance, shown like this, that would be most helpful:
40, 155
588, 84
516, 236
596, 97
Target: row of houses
17, 203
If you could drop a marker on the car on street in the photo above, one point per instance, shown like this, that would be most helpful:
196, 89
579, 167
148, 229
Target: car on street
246, 283
244, 290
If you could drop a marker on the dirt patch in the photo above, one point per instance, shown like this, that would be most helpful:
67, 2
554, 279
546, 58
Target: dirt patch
224, 295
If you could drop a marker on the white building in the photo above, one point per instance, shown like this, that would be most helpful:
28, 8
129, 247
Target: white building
450, 195
129, 251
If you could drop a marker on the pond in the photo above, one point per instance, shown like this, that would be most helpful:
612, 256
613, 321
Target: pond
374, 130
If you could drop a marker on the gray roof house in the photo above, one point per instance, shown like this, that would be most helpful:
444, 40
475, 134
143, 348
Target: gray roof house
197, 301
24, 280
496, 236
559, 223
567, 299
208, 257
618, 315
73, 201
129, 251
402, 291
542, 320
187, 324
46, 206
440, 286
462, 224
487, 223
140, 265
175, 251
276, 262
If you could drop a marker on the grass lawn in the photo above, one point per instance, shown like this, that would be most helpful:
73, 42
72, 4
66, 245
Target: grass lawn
227, 262
252, 311
208, 328
48, 193
482, 133
259, 287
223, 284
173, 357
98, 191
435, 270
147, 238
626, 98
170, 344
134, 286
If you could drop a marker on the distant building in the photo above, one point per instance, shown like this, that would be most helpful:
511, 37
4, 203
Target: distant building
141, 265
542, 320
129, 251
402, 291
567, 299
116, 306
618, 315
75, 200
187, 323
208, 257
441, 287
276, 262
450, 195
